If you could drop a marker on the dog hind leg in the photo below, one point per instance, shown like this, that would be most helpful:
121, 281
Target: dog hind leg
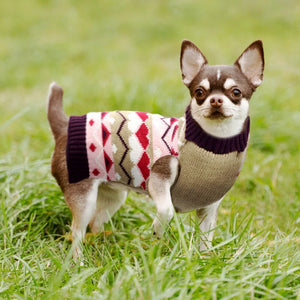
109, 200
82, 200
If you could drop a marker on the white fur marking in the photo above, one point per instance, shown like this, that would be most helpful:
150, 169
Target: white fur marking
229, 83
205, 83
218, 74
232, 125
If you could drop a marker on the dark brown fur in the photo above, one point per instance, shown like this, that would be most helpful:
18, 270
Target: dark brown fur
233, 72
162, 167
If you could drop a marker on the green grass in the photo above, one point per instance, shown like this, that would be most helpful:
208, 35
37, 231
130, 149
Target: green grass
125, 55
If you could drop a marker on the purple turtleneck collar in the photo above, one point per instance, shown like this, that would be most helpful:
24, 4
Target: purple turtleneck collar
194, 133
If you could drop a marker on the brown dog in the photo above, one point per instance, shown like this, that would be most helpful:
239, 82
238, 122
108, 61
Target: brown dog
183, 164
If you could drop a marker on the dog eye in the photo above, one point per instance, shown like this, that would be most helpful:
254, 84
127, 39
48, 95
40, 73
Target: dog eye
200, 93
236, 93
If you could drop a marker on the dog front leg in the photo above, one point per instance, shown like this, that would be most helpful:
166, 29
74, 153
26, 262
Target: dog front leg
207, 222
163, 175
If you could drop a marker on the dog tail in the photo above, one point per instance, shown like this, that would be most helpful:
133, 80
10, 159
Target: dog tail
57, 118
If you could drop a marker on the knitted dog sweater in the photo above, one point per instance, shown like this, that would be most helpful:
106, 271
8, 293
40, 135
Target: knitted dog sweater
209, 166
119, 146
122, 146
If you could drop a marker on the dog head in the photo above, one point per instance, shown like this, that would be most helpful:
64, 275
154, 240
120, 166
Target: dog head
220, 94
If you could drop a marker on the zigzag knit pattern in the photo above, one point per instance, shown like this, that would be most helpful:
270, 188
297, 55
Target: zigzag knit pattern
119, 146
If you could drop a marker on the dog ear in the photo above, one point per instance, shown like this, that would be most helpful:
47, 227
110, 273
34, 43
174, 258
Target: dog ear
191, 61
251, 63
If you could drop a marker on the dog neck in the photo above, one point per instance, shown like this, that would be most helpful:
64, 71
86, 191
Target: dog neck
194, 133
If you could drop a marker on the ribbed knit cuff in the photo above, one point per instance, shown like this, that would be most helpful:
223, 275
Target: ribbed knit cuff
77, 162
194, 133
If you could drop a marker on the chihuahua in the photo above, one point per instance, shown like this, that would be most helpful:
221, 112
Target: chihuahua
183, 164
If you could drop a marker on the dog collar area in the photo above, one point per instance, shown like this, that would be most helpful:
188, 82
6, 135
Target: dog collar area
195, 133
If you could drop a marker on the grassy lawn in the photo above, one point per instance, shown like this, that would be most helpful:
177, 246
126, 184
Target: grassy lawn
125, 55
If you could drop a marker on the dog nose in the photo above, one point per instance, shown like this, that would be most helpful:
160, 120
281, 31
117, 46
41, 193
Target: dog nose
216, 102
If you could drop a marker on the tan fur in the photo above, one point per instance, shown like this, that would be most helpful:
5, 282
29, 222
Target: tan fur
58, 120
71, 192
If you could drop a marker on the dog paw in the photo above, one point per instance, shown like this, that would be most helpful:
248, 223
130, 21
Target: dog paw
157, 228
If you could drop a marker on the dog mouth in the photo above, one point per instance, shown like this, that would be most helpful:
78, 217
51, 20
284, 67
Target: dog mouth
217, 115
